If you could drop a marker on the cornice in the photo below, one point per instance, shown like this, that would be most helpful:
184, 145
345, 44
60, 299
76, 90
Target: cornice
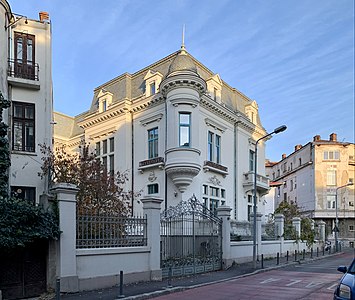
183, 80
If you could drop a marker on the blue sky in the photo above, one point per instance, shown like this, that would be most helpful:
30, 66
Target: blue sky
294, 57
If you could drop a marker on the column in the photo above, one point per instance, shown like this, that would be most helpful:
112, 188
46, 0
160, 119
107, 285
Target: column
151, 208
258, 231
296, 223
279, 229
224, 213
321, 226
66, 270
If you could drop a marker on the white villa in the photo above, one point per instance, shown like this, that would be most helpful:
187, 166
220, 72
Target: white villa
179, 130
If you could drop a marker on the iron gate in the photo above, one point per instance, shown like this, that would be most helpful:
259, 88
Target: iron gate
191, 239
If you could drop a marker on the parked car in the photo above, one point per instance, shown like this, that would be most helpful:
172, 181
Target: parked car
346, 286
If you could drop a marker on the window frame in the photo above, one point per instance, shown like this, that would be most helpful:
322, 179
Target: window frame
183, 125
153, 142
25, 190
23, 121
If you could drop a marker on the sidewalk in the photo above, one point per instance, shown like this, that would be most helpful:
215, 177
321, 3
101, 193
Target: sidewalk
148, 290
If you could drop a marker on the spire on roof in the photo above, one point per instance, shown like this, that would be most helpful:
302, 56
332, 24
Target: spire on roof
183, 50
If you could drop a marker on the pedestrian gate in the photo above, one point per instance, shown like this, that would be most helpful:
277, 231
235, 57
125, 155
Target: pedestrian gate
191, 239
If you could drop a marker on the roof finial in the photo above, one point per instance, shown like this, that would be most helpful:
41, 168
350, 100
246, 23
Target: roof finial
183, 50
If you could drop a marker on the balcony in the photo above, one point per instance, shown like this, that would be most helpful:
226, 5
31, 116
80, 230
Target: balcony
214, 167
262, 183
157, 162
23, 74
182, 165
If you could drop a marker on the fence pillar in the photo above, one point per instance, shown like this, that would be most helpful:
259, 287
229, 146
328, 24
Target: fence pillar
279, 230
296, 223
151, 208
66, 270
258, 232
224, 213
321, 226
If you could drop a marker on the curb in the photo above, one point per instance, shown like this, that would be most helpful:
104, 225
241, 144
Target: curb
167, 291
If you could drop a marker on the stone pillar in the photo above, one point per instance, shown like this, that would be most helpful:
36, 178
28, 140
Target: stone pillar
224, 213
296, 222
279, 229
321, 226
151, 208
66, 270
258, 231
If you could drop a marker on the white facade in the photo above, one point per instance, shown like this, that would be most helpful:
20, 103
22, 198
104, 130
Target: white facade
179, 130
26, 80
311, 176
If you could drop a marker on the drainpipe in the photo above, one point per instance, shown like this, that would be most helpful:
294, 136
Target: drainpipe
132, 161
166, 145
235, 170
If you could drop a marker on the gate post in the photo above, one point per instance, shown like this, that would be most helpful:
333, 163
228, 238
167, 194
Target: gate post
224, 213
151, 208
279, 229
67, 271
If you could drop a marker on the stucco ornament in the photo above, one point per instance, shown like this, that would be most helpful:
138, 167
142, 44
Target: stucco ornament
152, 176
214, 180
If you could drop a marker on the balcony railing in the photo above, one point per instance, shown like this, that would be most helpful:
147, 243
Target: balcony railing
23, 69
262, 182
151, 163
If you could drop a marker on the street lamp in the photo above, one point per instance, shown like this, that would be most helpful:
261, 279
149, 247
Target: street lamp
276, 131
336, 228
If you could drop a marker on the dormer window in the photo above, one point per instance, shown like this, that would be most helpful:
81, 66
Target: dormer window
214, 87
104, 100
152, 82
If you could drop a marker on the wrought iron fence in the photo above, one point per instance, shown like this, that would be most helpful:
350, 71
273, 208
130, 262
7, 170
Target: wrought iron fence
105, 231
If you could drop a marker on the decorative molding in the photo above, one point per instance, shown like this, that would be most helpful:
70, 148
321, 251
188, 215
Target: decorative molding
215, 125
151, 119
214, 180
178, 101
102, 133
152, 176
216, 168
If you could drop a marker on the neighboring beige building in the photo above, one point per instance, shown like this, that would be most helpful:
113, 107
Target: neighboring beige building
179, 130
311, 175
26, 80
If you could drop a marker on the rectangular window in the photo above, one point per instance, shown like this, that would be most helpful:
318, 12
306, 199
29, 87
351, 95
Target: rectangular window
98, 149
153, 143
214, 205
104, 105
24, 64
152, 88
218, 149
210, 146
205, 189
112, 165
331, 155
153, 188
351, 228
104, 147
330, 201
251, 160
23, 127
24, 193
291, 185
112, 144
250, 212
104, 162
184, 129
215, 94
331, 177
214, 191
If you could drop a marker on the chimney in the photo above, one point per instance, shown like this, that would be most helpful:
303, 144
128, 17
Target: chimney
298, 147
284, 156
316, 138
333, 137
43, 16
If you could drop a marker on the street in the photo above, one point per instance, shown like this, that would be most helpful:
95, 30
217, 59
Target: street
316, 280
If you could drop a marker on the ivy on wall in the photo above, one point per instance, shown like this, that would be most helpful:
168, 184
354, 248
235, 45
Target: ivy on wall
20, 221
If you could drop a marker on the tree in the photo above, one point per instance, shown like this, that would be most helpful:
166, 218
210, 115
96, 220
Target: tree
291, 210
99, 191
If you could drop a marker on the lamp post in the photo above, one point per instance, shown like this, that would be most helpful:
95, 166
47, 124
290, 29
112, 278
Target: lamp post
276, 131
336, 228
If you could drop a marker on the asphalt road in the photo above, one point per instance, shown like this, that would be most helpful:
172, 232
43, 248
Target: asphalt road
314, 280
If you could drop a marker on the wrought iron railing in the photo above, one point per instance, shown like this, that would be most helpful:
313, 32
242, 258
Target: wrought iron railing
23, 69
104, 231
